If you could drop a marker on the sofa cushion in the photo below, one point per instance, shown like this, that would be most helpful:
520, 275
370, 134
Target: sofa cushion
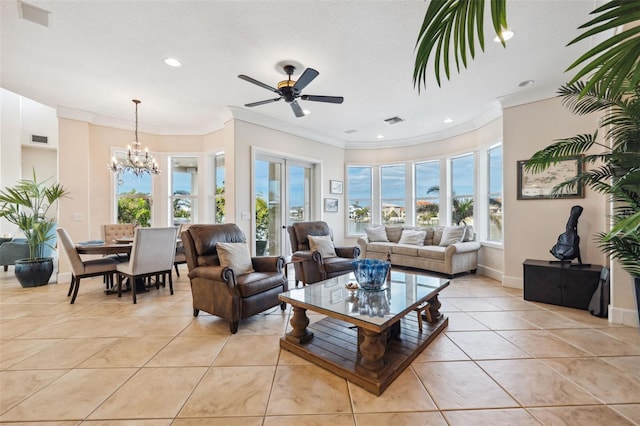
428, 239
412, 236
431, 252
437, 235
376, 233
469, 234
451, 235
323, 244
380, 247
405, 249
393, 233
235, 256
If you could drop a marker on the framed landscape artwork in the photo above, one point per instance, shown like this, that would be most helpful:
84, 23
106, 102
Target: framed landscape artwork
330, 204
536, 186
335, 186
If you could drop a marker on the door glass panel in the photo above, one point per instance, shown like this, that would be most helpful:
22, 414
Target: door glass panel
299, 194
268, 201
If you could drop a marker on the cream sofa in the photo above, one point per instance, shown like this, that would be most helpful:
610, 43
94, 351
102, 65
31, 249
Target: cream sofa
455, 255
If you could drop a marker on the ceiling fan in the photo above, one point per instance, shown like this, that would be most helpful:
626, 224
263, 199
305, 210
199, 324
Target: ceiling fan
289, 90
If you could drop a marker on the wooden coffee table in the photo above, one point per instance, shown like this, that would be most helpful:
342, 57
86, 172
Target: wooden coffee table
367, 337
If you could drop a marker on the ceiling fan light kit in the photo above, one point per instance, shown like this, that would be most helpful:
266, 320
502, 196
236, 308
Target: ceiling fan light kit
290, 90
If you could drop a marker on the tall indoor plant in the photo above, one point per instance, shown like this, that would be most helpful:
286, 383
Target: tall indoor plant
26, 205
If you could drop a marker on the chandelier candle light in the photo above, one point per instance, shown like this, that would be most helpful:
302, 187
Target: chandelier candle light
137, 161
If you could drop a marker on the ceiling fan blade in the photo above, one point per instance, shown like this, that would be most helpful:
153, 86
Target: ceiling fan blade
330, 99
268, 101
258, 83
296, 109
307, 77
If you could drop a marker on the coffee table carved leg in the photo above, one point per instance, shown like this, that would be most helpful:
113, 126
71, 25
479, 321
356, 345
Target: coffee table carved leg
372, 348
299, 323
434, 306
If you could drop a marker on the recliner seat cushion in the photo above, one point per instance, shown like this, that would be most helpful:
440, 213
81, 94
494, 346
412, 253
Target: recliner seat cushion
337, 264
257, 282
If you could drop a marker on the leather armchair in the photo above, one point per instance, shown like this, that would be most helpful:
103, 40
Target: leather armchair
310, 266
220, 290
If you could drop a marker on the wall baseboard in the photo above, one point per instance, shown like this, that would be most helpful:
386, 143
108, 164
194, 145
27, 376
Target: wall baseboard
513, 282
627, 317
490, 272
64, 277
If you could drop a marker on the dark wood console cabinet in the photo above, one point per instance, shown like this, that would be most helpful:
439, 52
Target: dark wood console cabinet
560, 283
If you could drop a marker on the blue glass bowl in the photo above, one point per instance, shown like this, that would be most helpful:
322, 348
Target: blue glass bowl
370, 273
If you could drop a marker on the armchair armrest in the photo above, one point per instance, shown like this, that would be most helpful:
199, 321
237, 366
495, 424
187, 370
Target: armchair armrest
348, 252
268, 263
208, 272
303, 255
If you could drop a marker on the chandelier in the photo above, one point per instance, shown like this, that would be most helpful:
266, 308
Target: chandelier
138, 161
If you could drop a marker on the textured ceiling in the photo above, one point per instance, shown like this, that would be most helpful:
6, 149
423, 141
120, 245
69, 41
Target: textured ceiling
97, 55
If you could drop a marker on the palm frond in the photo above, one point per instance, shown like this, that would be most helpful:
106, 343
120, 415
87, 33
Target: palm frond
560, 150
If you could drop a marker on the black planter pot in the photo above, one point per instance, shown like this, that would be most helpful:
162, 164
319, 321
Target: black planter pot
636, 281
34, 273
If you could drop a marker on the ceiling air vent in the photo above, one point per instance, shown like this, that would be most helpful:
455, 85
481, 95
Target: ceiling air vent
39, 139
350, 131
393, 120
33, 13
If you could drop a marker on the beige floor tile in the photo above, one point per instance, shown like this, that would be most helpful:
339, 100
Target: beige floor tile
585, 318
207, 325
17, 385
548, 319
289, 358
264, 324
14, 328
609, 384
296, 389
597, 343
579, 416
127, 352
83, 327
85, 388
461, 385
509, 303
189, 351
230, 391
249, 350
486, 345
460, 321
442, 349
627, 334
311, 420
15, 351
406, 393
508, 417
163, 326
629, 364
151, 393
473, 304
401, 419
112, 422
542, 344
67, 353
533, 383
629, 411
503, 321
219, 421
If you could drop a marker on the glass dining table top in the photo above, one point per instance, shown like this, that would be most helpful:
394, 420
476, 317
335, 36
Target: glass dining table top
403, 293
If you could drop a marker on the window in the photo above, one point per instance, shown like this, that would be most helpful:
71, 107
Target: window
495, 193
392, 189
218, 184
133, 196
462, 189
184, 190
427, 191
360, 193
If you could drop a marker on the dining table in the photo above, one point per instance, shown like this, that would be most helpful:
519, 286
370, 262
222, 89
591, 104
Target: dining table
102, 248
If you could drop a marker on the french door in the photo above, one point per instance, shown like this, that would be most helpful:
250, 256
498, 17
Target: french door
282, 195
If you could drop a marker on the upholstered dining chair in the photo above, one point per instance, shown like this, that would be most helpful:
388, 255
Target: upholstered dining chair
152, 254
317, 258
181, 257
115, 231
225, 280
105, 266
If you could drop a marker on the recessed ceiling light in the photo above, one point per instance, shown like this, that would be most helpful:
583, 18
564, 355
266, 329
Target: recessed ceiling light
526, 83
306, 111
506, 35
172, 62
448, 120
380, 136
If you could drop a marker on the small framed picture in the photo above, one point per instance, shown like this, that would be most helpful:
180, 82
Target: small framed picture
335, 186
330, 204
536, 186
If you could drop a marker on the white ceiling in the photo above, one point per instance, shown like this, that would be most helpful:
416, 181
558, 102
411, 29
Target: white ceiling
97, 55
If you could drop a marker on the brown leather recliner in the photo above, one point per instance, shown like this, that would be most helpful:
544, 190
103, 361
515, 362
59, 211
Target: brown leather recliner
219, 290
310, 266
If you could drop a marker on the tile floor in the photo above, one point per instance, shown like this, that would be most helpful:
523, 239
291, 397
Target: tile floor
502, 360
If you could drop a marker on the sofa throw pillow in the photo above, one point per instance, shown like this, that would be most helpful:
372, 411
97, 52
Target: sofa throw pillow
235, 256
469, 234
411, 236
376, 234
323, 244
451, 235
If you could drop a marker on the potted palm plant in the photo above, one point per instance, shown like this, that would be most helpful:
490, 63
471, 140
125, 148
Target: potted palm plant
26, 205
